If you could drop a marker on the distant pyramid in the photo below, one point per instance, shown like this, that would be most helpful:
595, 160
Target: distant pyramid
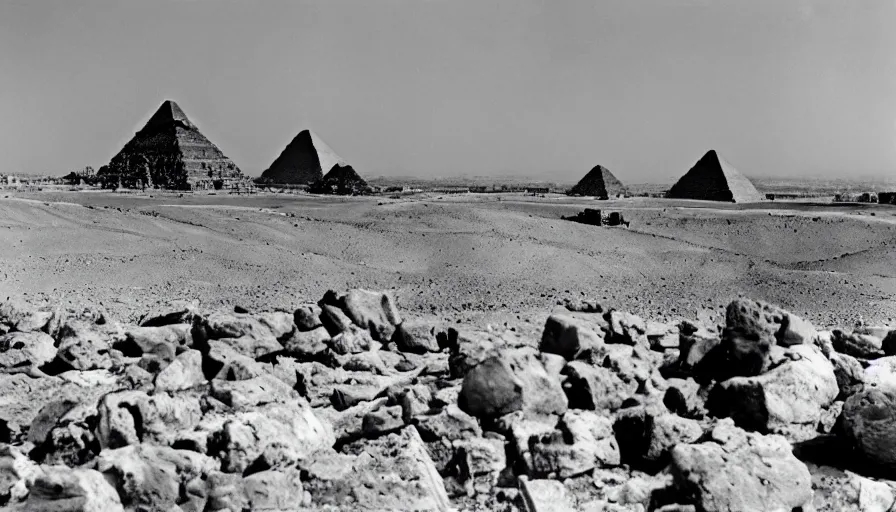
341, 180
169, 152
303, 161
599, 182
714, 179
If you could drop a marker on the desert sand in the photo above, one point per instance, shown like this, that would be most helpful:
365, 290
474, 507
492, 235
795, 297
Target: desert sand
457, 257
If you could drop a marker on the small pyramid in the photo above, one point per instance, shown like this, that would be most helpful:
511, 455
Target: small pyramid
341, 180
303, 161
712, 178
169, 152
599, 182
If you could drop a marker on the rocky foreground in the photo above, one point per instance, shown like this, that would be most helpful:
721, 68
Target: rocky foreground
345, 405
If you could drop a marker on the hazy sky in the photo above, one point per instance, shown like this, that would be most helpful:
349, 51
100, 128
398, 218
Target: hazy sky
450, 87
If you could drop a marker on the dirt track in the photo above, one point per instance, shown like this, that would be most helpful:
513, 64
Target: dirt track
458, 257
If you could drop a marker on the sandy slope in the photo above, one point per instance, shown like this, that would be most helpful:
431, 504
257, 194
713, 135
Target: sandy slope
455, 256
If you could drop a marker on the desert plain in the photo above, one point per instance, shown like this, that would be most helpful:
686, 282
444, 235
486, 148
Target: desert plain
504, 257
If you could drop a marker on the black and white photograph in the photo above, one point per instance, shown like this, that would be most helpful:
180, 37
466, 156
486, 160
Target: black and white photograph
448, 255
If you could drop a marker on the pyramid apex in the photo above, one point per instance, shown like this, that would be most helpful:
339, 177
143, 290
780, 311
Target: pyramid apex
168, 112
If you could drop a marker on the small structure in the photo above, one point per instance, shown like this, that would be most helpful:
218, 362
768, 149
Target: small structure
886, 197
595, 217
856, 197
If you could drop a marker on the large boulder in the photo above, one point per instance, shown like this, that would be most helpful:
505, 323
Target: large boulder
868, 422
788, 400
860, 343
647, 434
573, 334
753, 327
25, 351
62, 489
375, 311
18, 315
150, 477
393, 472
172, 313
511, 380
418, 337
84, 345
596, 388
273, 436
584, 440
736, 470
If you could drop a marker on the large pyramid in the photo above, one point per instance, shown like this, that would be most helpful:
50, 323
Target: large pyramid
303, 161
341, 180
714, 179
169, 152
599, 182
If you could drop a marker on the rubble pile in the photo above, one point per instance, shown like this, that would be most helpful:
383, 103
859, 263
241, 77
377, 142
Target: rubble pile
345, 404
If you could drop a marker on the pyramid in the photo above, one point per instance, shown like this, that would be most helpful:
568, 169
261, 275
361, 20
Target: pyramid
169, 152
341, 180
303, 161
714, 179
599, 182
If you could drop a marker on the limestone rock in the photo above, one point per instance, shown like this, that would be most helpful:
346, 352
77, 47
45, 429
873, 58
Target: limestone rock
788, 399
858, 344
151, 476
572, 334
869, 424
416, 337
334, 320
374, 311
83, 346
647, 435
450, 423
390, 473
175, 312
307, 344
544, 496
184, 372
584, 440
382, 420
307, 317
596, 388
849, 373
351, 341
18, 315
626, 328
25, 351
273, 435
17, 473
272, 490
736, 470
511, 380
62, 489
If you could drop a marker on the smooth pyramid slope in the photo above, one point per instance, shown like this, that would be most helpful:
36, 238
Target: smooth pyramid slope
599, 182
712, 178
304, 160
170, 152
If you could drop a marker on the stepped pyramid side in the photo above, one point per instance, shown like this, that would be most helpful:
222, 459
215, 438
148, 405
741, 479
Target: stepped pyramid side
599, 182
303, 161
712, 178
170, 152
